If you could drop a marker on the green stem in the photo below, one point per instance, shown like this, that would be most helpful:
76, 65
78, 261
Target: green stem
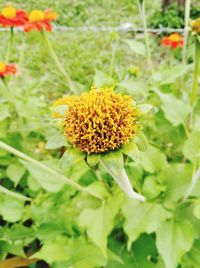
10, 43
13, 194
38, 164
7, 87
57, 61
112, 60
196, 73
141, 5
186, 29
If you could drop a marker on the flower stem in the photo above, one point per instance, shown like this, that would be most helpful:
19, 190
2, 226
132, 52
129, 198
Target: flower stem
38, 164
56, 60
196, 73
112, 60
141, 5
186, 29
10, 43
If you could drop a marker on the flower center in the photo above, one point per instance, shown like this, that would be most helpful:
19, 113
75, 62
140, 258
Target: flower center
9, 12
174, 38
36, 16
2, 67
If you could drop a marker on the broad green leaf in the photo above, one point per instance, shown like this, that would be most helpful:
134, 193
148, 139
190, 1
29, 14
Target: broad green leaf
99, 222
142, 218
4, 111
11, 209
132, 151
137, 257
136, 46
191, 148
85, 254
56, 141
173, 73
173, 240
145, 108
102, 79
196, 209
48, 181
141, 141
93, 159
175, 110
153, 159
134, 88
15, 172
152, 188
54, 250
176, 178
191, 259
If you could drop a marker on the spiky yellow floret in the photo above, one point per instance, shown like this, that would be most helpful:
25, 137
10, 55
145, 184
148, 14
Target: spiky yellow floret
195, 25
100, 120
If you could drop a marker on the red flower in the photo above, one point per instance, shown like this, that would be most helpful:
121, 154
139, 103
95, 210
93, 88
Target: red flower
39, 20
7, 69
10, 17
173, 40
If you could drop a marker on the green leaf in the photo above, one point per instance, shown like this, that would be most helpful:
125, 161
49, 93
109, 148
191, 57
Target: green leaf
176, 178
93, 159
153, 160
173, 73
99, 222
138, 257
191, 148
102, 79
196, 209
54, 250
152, 188
136, 46
44, 178
4, 111
191, 259
173, 240
145, 108
175, 110
11, 209
141, 141
56, 141
15, 172
142, 218
132, 151
134, 88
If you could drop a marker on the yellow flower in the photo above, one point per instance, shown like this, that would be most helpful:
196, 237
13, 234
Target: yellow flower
36, 15
9, 12
134, 70
100, 120
195, 25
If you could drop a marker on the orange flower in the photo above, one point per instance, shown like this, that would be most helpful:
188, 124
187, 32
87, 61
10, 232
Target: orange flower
11, 17
7, 69
39, 20
173, 40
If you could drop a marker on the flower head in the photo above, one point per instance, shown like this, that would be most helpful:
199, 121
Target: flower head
173, 40
134, 70
11, 17
39, 20
100, 120
7, 69
195, 26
